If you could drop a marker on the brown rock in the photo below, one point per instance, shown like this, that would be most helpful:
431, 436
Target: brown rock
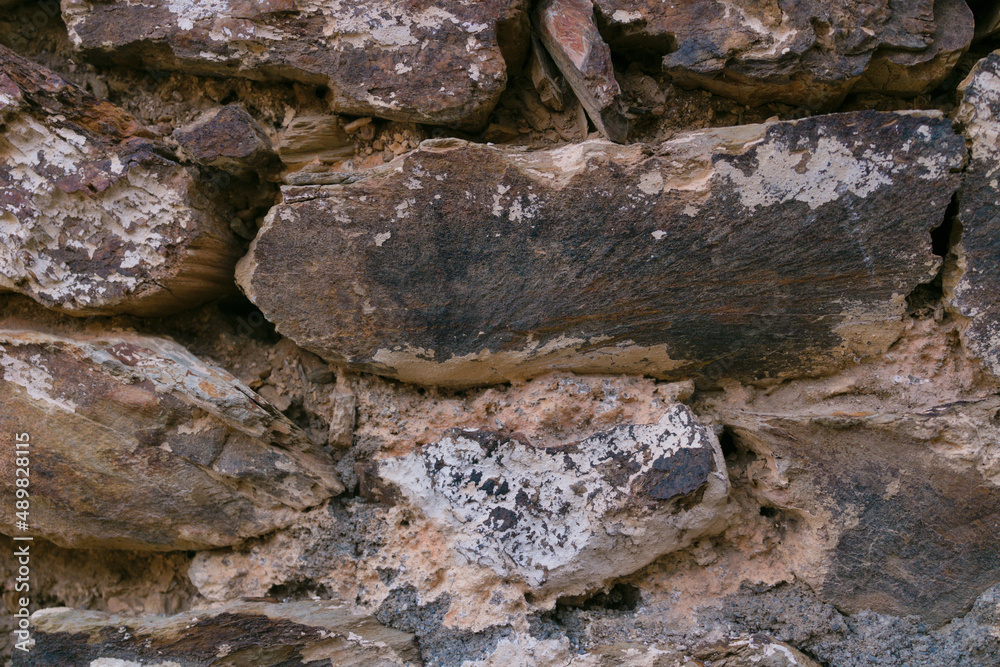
96, 215
314, 138
136, 443
568, 31
810, 54
541, 515
743, 252
231, 140
439, 63
246, 633
973, 289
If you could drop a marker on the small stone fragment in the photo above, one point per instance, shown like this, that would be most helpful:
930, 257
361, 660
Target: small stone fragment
231, 140
138, 444
568, 31
542, 514
752, 251
240, 633
311, 138
437, 63
544, 75
96, 214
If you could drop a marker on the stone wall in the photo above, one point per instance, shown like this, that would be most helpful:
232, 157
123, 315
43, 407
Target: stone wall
500, 333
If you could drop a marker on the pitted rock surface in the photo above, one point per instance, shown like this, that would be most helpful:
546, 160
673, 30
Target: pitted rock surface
743, 252
567, 518
441, 63
139, 444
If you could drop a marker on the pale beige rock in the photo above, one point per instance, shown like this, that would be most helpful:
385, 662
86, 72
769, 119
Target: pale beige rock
136, 443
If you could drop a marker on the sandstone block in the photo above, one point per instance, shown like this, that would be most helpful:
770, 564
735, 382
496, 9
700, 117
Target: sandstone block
745, 252
96, 215
440, 63
810, 55
566, 518
973, 291
136, 443
243, 633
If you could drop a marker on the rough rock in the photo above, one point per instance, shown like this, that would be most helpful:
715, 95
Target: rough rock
96, 215
973, 290
567, 518
136, 443
806, 54
319, 633
435, 62
569, 33
742, 251
231, 140
314, 137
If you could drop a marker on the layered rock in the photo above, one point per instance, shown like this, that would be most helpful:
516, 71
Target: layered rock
567, 518
433, 62
97, 214
973, 290
746, 251
807, 54
245, 633
136, 443
568, 31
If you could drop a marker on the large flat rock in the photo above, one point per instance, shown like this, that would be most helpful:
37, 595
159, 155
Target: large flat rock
96, 214
974, 291
441, 63
745, 251
565, 519
136, 443
807, 54
319, 633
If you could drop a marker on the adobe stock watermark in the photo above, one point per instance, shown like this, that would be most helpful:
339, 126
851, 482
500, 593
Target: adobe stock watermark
22, 543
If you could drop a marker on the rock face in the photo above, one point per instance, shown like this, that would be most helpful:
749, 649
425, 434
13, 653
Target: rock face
566, 518
247, 633
810, 53
974, 294
568, 31
742, 251
436, 62
97, 215
136, 443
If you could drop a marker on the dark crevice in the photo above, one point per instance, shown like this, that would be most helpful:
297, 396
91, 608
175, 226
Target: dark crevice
620, 597
926, 299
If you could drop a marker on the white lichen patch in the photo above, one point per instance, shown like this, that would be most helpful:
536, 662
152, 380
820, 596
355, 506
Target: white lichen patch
545, 515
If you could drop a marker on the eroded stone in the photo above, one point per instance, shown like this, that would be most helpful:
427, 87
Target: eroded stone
245, 633
807, 54
973, 289
565, 518
231, 140
744, 252
439, 63
569, 33
96, 214
136, 443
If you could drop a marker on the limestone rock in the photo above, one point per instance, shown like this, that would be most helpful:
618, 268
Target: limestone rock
807, 54
231, 140
568, 31
439, 63
96, 215
136, 443
741, 252
566, 518
974, 293
320, 633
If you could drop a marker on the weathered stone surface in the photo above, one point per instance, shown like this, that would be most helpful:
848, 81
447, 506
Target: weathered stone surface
96, 215
568, 31
136, 443
565, 518
320, 633
907, 72
973, 291
804, 53
231, 140
436, 62
744, 251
